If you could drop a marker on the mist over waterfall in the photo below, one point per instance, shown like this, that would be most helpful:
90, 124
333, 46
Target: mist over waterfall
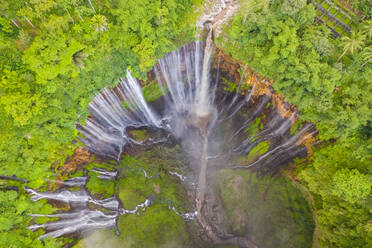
203, 99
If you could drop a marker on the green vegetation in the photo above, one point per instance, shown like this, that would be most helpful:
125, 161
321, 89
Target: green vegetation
269, 210
258, 150
100, 188
158, 225
139, 135
253, 128
330, 83
230, 86
102, 238
343, 15
362, 7
152, 91
135, 187
341, 194
15, 208
54, 56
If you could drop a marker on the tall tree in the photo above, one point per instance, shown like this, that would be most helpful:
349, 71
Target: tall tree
352, 44
367, 55
99, 22
366, 29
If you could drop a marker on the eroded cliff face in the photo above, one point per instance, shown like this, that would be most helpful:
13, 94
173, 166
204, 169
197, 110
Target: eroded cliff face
78, 160
241, 74
229, 69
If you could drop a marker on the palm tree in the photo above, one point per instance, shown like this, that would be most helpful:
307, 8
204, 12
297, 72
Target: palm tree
367, 55
99, 22
24, 38
367, 29
91, 5
78, 59
352, 44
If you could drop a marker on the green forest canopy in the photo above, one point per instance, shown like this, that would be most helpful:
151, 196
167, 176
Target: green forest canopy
56, 54
330, 81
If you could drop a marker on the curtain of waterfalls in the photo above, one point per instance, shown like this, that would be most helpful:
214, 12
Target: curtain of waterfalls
192, 112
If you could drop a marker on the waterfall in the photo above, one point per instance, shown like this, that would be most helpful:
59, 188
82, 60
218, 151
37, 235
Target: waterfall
85, 213
203, 99
105, 131
184, 74
189, 113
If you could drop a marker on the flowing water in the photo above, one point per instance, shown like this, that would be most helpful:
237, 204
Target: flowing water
211, 124
85, 213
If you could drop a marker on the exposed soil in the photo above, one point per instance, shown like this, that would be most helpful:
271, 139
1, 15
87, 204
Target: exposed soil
348, 6
78, 160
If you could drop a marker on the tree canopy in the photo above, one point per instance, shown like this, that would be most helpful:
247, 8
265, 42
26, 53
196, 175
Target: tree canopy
54, 56
330, 82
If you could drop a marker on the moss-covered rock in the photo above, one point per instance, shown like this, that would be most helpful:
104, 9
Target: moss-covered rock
99, 188
102, 238
157, 226
152, 91
146, 174
138, 134
143, 175
269, 210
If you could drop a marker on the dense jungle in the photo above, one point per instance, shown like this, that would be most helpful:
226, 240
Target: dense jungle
185, 123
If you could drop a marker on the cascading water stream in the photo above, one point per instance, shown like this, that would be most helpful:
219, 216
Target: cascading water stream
81, 217
203, 94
